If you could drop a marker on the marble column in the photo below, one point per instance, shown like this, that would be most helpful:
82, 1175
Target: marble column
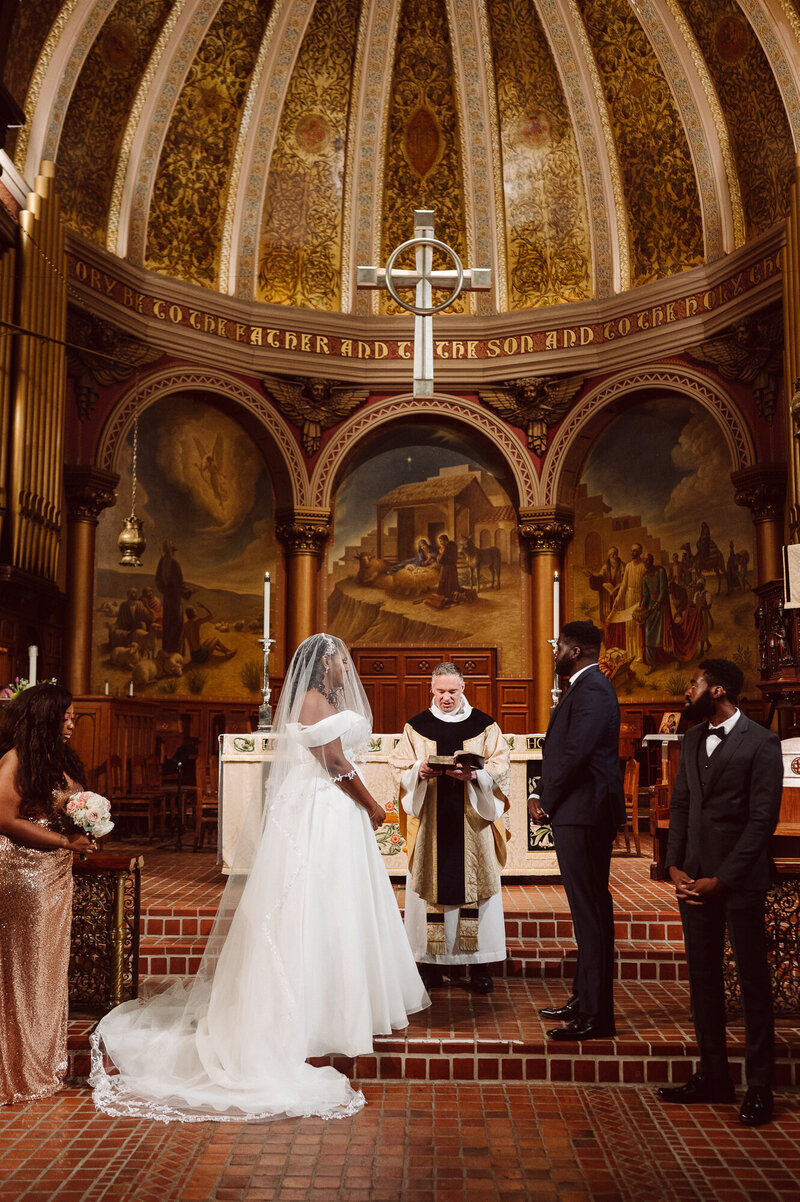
762, 490
88, 491
304, 533
547, 533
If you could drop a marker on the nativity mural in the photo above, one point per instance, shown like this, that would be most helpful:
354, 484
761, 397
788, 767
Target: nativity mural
425, 549
189, 620
662, 557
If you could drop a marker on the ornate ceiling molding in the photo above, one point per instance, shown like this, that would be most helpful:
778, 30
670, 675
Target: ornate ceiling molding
136, 129
446, 409
777, 28
68, 43
371, 102
281, 43
474, 85
561, 469
605, 201
157, 111
182, 379
706, 132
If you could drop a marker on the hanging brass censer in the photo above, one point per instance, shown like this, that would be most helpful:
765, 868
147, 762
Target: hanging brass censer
131, 541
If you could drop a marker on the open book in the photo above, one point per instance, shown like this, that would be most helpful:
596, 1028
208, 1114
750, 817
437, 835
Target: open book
461, 759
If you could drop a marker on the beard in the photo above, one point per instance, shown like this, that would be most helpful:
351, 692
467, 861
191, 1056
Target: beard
700, 710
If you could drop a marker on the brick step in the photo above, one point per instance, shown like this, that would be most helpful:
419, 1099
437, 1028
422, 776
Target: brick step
464, 1037
172, 955
541, 958
645, 925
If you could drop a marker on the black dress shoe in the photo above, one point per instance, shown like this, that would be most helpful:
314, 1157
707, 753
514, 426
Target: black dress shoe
583, 1028
562, 1013
480, 980
699, 1089
757, 1106
431, 975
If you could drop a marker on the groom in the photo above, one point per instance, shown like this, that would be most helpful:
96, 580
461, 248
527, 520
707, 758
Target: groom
581, 795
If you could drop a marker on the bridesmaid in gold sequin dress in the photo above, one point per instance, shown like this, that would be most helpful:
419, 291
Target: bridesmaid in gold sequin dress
38, 771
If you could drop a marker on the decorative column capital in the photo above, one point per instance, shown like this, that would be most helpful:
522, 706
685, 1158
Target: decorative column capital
88, 490
762, 489
304, 531
547, 530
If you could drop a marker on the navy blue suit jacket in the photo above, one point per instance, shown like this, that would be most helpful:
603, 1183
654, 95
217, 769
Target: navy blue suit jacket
724, 830
581, 782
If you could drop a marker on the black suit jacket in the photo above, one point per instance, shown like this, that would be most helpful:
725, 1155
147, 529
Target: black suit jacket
724, 830
581, 783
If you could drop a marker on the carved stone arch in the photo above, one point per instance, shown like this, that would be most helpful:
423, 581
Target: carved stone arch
594, 412
271, 432
450, 409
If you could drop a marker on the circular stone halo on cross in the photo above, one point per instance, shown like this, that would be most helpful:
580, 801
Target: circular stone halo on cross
424, 279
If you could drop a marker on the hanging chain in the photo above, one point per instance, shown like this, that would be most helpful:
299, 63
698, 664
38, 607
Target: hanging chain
135, 448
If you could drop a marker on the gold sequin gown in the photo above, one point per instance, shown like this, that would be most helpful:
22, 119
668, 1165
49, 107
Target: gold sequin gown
35, 920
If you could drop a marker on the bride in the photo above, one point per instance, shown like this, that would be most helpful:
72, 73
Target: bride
308, 954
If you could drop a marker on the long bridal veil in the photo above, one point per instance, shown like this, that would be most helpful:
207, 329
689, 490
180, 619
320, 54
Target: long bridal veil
231, 1043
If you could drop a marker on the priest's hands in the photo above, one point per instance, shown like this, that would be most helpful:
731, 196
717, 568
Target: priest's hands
425, 771
462, 773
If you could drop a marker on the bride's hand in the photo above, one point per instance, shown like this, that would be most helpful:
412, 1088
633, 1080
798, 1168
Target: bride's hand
377, 817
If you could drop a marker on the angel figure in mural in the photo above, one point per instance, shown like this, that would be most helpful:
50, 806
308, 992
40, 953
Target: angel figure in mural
210, 468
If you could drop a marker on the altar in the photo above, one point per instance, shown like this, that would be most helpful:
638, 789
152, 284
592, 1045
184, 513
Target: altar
243, 765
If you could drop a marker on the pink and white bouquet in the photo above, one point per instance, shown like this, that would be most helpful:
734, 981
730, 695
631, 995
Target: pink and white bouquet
91, 812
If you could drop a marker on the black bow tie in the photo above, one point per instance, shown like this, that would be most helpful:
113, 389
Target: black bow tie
719, 731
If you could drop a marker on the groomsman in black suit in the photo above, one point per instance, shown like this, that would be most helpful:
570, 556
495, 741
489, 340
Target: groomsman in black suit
580, 794
725, 806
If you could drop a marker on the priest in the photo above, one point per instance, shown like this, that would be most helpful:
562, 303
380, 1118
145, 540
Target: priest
455, 821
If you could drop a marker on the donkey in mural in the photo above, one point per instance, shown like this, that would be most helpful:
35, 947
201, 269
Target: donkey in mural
486, 558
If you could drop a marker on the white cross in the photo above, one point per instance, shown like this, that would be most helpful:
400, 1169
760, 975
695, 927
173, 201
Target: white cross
424, 279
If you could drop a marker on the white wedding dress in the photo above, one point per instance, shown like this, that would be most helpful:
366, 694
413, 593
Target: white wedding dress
313, 960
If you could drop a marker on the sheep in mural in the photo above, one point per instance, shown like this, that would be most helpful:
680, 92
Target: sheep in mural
169, 663
144, 672
124, 657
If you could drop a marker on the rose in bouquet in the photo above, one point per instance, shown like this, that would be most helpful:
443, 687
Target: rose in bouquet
91, 812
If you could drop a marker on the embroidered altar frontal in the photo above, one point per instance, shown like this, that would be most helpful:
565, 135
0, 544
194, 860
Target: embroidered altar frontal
244, 762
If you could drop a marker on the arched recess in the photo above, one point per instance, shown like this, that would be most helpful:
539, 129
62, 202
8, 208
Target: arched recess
270, 431
598, 408
450, 409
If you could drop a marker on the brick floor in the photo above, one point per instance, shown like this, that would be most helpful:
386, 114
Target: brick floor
413, 1142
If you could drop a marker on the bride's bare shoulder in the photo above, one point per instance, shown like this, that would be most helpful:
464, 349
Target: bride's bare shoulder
315, 707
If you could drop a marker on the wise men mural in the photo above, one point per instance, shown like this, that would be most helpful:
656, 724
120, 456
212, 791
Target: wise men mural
663, 557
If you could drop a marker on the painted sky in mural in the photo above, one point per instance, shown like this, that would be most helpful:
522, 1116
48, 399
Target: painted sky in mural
657, 488
202, 489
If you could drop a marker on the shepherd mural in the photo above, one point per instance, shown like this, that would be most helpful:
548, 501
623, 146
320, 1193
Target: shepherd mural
189, 620
662, 556
426, 549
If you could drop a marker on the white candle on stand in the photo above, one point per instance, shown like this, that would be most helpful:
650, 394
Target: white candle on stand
33, 652
266, 606
106, 688
556, 620
130, 689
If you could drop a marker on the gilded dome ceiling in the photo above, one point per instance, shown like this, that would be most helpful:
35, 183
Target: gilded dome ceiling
264, 148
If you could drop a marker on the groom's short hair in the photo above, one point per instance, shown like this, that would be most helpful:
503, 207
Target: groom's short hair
585, 635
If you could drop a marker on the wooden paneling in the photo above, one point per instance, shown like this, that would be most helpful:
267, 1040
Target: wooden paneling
397, 680
127, 727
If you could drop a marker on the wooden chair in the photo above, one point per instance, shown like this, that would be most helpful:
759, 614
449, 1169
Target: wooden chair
631, 787
206, 811
133, 805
